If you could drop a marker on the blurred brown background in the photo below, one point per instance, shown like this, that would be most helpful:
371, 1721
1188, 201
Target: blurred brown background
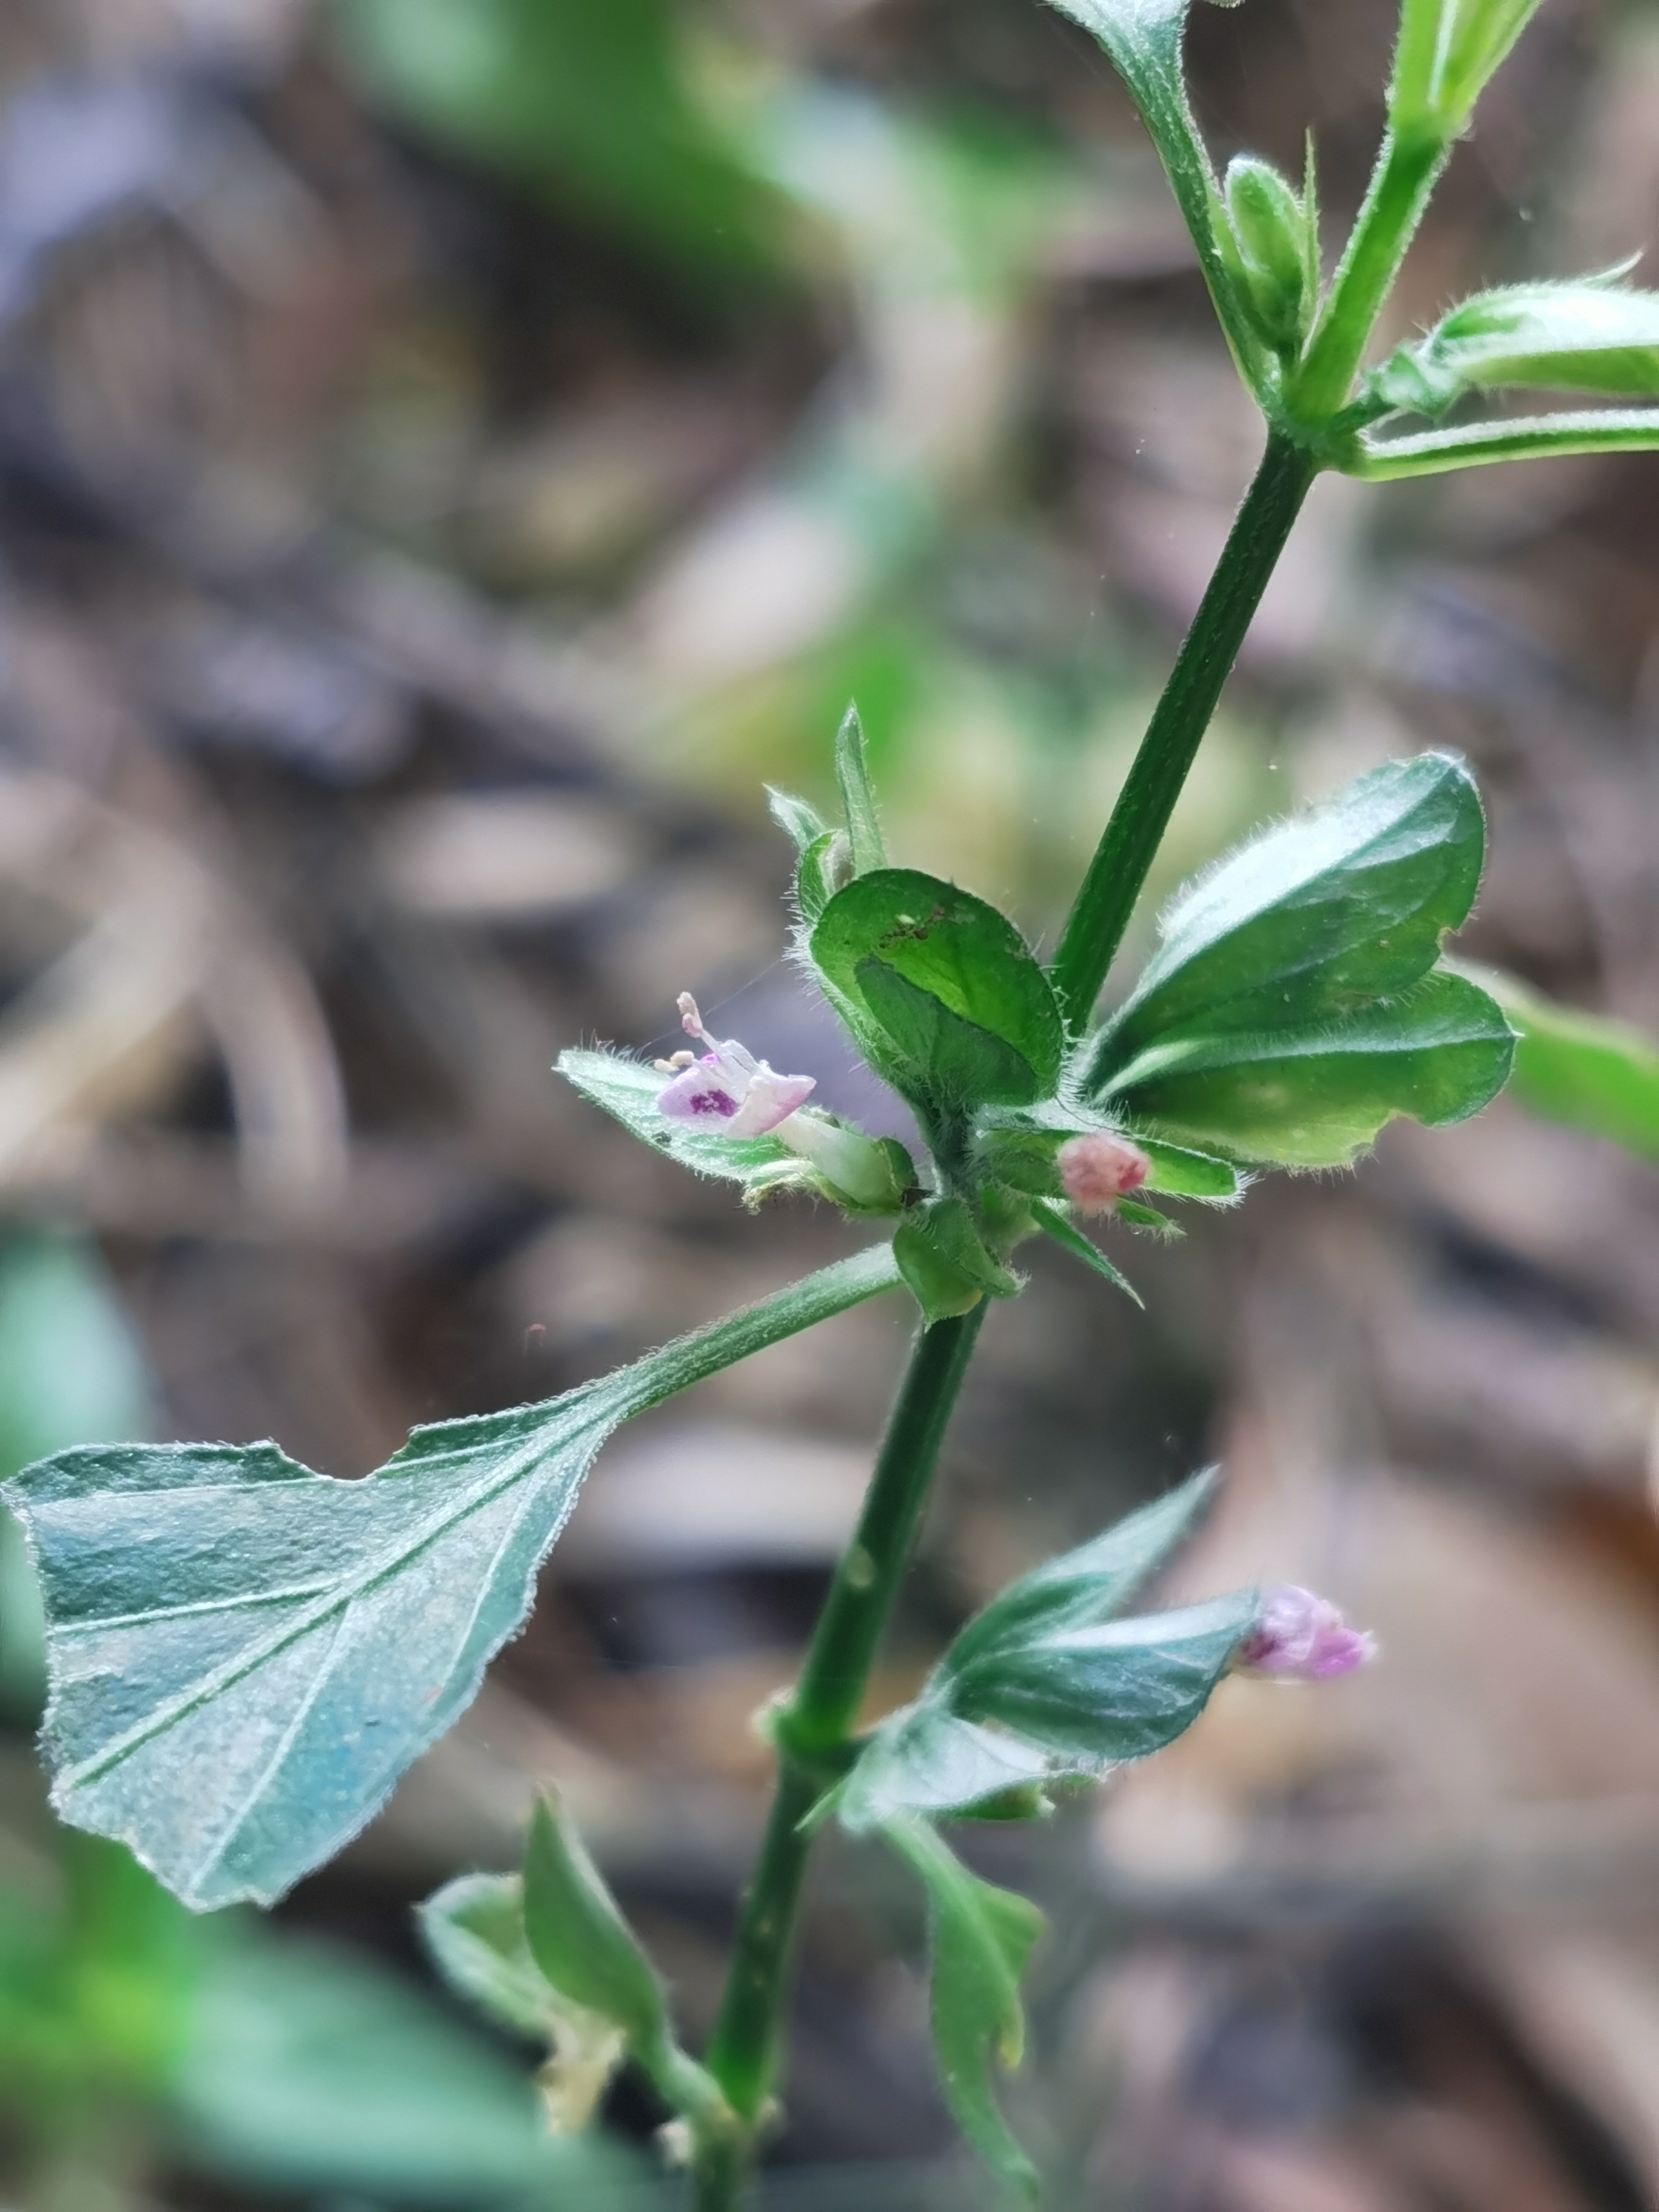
451, 453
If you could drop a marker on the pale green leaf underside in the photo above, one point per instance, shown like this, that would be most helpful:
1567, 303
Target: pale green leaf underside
1596, 334
1045, 1682
628, 1090
1479, 445
474, 1929
1317, 1097
245, 1655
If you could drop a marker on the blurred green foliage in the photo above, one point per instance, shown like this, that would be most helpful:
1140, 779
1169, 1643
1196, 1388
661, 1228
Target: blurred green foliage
594, 106
133, 2034
1599, 1077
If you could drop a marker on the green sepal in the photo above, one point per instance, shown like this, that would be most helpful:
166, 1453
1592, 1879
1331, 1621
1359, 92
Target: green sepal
799, 820
1054, 1224
245, 1656
1178, 1171
866, 847
1135, 1215
1020, 1148
980, 1938
1317, 1097
822, 870
945, 1261
1321, 915
822, 864
1596, 334
941, 992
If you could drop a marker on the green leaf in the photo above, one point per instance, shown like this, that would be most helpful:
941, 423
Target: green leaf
1091, 1583
1339, 906
858, 799
1045, 1682
245, 1656
578, 1936
939, 990
1579, 1069
1447, 52
925, 1758
1596, 334
1316, 1098
592, 104
1110, 1694
1134, 1215
1144, 39
628, 1090
1054, 1224
979, 1939
312, 2071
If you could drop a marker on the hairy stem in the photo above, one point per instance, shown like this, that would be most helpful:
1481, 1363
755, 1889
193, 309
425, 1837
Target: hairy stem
1100, 913
813, 1729
1407, 169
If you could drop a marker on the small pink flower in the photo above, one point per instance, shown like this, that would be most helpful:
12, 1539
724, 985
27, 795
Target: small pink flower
1303, 1637
727, 1088
1097, 1169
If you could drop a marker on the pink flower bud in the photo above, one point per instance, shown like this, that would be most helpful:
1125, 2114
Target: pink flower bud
1098, 1169
1303, 1637
728, 1088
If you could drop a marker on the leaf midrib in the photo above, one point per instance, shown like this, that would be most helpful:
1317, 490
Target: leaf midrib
340, 1596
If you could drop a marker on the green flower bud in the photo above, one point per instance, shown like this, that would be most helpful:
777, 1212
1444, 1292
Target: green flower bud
1270, 228
943, 1257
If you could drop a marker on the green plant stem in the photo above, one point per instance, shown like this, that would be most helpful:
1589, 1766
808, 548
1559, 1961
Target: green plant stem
810, 1732
1408, 168
1100, 913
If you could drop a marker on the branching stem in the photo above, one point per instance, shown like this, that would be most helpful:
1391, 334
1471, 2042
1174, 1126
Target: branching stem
811, 1729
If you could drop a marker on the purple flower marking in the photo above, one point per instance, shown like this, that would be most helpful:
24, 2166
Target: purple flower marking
1303, 1637
727, 1088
